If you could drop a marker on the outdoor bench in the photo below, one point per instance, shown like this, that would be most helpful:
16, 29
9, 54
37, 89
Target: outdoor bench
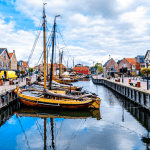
133, 84
15, 81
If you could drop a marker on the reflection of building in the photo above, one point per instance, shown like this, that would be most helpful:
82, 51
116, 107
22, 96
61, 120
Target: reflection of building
4, 59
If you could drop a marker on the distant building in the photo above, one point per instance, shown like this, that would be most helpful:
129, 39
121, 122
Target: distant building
83, 70
147, 56
131, 67
110, 68
140, 60
93, 70
13, 61
79, 65
4, 59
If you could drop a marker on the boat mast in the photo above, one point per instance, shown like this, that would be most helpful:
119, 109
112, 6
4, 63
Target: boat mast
53, 38
44, 43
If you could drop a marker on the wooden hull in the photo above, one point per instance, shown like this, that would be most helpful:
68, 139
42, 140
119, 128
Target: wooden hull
55, 106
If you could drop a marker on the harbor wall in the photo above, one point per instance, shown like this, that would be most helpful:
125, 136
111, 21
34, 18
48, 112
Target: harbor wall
140, 97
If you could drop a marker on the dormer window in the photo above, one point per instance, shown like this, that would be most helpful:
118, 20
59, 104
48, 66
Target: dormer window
4, 55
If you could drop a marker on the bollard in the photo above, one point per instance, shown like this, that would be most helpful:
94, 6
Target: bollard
119, 80
139, 84
129, 81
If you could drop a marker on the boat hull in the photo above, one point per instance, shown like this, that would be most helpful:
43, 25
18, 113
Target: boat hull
55, 106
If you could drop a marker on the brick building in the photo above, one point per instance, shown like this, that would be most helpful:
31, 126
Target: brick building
83, 70
129, 66
110, 68
13, 61
4, 59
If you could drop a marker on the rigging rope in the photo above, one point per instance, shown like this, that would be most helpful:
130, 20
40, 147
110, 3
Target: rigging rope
23, 131
36, 39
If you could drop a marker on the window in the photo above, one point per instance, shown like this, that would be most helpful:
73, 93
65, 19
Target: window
133, 66
2, 64
124, 65
7, 64
4, 55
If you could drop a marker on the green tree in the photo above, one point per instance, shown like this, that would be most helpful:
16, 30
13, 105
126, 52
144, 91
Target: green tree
30, 69
99, 67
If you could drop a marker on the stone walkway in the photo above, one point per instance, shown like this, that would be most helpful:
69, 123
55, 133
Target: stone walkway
143, 87
6, 87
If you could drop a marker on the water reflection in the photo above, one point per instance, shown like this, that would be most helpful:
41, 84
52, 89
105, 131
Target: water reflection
6, 113
123, 125
49, 117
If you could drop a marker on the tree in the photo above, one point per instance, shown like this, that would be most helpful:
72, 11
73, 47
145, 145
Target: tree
30, 69
99, 67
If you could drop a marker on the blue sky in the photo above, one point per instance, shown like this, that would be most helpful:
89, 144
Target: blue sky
91, 29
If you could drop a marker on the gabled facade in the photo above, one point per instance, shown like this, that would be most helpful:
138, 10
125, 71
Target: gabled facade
110, 68
131, 67
147, 56
140, 59
4, 59
20, 65
13, 61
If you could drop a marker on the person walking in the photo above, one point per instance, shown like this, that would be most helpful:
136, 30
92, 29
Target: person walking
3, 78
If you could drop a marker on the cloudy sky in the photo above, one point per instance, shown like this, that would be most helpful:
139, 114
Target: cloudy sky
91, 29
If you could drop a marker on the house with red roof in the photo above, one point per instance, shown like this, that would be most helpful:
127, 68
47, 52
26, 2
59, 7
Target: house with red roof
129, 67
82, 69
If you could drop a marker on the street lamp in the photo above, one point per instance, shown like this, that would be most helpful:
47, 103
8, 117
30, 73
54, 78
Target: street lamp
122, 73
147, 62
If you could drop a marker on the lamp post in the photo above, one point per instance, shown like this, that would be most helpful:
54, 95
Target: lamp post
122, 73
147, 61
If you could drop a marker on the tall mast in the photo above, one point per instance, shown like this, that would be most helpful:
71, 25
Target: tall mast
44, 43
53, 38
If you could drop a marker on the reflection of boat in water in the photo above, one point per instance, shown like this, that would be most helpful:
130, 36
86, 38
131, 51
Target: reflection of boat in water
66, 114
45, 115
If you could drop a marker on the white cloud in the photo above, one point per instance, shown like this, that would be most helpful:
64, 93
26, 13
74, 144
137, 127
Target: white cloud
120, 30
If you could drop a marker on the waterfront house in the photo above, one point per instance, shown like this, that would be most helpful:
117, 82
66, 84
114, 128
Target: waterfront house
25, 66
129, 67
110, 68
140, 60
4, 59
13, 61
20, 65
83, 70
93, 70
147, 56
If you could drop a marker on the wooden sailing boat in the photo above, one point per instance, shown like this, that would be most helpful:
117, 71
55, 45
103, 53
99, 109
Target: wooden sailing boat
54, 98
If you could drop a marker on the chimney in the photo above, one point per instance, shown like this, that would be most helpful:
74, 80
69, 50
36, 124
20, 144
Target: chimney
13, 51
109, 57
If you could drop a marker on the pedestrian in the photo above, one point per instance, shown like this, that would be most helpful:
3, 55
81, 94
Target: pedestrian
3, 78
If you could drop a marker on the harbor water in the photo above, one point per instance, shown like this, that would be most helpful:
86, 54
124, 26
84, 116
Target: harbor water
118, 125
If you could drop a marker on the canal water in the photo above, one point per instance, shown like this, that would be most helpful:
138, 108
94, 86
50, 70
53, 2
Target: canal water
119, 125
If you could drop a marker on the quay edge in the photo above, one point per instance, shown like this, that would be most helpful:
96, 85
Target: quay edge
142, 98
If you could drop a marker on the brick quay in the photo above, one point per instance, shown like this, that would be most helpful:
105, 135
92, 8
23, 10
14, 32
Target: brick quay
139, 95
